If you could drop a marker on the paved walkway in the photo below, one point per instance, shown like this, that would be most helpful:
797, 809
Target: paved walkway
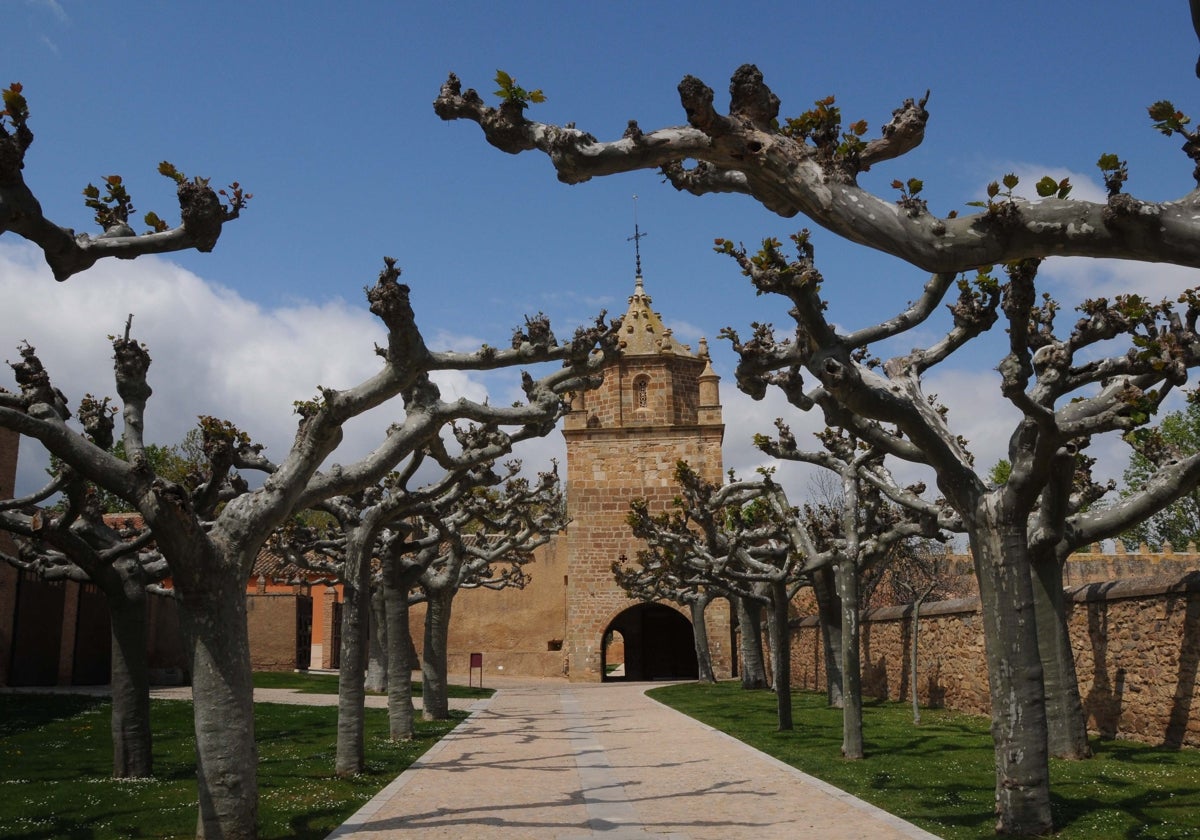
294, 697
290, 696
567, 761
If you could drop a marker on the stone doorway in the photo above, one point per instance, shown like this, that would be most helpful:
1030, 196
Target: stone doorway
657, 645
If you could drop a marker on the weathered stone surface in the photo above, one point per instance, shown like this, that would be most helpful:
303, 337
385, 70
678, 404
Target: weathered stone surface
1136, 643
659, 404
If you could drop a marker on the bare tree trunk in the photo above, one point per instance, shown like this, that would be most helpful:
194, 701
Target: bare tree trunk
829, 614
435, 704
1000, 548
912, 665
704, 666
350, 759
846, 577
130, 684
781, 654
214, 622
754, 671
401, 654
377, 663
401, 722
1065, 721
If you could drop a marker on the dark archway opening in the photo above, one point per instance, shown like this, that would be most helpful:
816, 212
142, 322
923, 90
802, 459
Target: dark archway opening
658, 645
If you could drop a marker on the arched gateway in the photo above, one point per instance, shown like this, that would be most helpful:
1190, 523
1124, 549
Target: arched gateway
656, 644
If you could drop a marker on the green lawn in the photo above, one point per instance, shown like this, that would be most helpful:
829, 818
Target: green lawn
328, 684
56, 757
940, 775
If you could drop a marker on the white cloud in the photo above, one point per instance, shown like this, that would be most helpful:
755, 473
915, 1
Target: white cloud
213, 352
1079, 279
977, 412
1084, 187
688, 333
745, 418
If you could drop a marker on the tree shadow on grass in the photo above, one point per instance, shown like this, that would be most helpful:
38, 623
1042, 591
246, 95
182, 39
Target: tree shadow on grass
22, 712
1143, 811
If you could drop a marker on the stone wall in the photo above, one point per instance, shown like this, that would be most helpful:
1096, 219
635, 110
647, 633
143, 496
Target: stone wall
623, 442
57, 633
8, 462
519, 631
1136, 642
273, 622
606, 474
1094, 564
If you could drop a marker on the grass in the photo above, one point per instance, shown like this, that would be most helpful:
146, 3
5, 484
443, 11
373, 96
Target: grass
941, 774
56, 758
328, 684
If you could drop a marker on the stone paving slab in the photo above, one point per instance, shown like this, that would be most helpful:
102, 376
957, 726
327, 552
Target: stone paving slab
558, 761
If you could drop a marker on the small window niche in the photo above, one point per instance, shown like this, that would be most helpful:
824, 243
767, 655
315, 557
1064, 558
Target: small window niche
641, 393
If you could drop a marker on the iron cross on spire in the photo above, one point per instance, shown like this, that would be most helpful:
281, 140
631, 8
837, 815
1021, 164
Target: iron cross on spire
636, 238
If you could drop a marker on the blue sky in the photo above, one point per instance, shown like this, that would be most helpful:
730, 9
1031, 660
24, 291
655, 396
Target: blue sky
324, 112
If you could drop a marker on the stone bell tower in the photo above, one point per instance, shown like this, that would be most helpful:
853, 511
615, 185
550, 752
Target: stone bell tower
659, 404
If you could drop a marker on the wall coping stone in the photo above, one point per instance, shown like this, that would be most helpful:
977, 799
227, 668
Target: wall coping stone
1113, 590
1116, 590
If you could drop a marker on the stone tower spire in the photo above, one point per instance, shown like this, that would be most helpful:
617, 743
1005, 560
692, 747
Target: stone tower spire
642, 329
658, 405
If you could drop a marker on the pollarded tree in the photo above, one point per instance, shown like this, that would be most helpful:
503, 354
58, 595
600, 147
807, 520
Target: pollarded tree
850, 539
728, 539
402, 554
1050, 380
482, 540
809, 164
210, 542
75, 542
349, 550
201, 210
1067, 519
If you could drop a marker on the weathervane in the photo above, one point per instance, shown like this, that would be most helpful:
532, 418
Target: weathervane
636, 238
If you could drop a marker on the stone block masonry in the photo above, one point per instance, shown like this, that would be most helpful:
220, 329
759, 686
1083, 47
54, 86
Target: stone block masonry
1136, 645
658, 404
